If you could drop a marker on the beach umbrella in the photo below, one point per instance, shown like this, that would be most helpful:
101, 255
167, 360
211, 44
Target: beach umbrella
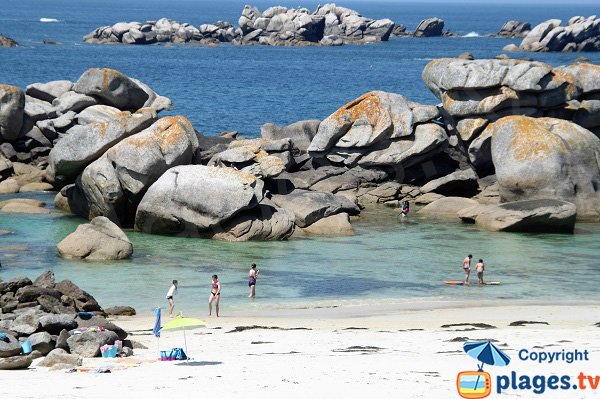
156, 329
183, 323
486, 352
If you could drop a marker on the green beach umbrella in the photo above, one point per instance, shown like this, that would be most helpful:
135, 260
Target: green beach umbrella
183, 323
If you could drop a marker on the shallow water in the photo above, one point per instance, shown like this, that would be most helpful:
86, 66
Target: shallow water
388, 259
241, 88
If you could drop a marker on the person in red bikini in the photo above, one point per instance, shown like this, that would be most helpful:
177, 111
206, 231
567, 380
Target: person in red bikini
252, 276
215, 294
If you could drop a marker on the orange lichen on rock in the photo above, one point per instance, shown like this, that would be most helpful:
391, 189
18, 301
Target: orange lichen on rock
368, 105
532, 140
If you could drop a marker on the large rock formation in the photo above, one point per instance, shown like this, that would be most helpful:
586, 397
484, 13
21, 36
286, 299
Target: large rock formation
328, 25
114, 184
580, 34
63, 126
194, 200
379, 129
475, 93
99, 240
547, 158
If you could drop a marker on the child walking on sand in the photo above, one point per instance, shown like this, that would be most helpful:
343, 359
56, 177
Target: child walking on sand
215, 294
170, 294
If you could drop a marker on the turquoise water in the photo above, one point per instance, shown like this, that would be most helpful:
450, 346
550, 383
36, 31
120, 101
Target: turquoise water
240, 88
387, 259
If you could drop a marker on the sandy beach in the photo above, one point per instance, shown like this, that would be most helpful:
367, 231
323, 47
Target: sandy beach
343, 351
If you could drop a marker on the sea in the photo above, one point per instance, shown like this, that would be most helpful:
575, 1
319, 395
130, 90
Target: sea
237, 88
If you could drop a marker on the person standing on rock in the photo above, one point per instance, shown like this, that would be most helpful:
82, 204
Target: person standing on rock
170, 294
467, 268
479, 268
215, 294
252, 276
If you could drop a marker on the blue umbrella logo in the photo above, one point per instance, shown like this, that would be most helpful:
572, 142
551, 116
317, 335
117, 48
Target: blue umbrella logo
486, 353
477, 384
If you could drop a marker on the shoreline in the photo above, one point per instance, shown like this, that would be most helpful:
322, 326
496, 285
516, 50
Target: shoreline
418, 351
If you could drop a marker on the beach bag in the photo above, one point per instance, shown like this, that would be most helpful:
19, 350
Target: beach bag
165, 355
173, 354
109, 350
179, 354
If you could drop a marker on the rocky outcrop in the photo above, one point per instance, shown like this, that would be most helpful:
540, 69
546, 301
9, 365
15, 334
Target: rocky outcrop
6, 41
99, 240
547, 158
163, 30
540, 215
328, 25
476, 93
26, 314
580, 34
59, 127
430, 27
512, 29
379, 129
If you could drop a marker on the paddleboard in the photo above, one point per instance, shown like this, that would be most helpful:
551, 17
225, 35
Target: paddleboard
458, 282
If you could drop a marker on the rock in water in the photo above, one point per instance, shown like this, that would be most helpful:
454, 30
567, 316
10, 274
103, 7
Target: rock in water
191, 200
114, 184
99, 240
542, 215
12, 105
447, 206
430, 27
547, 158
7, 42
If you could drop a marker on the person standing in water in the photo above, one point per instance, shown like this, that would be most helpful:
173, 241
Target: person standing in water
467, 268
215, 294
479, 268
172, 291
405, 209
252, 276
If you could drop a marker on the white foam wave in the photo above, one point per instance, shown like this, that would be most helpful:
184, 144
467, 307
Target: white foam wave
472, 34
49, 20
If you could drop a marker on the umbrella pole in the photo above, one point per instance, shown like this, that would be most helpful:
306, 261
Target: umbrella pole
185, 342
477, 380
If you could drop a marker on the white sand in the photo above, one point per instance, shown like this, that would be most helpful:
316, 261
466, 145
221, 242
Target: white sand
311, 363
